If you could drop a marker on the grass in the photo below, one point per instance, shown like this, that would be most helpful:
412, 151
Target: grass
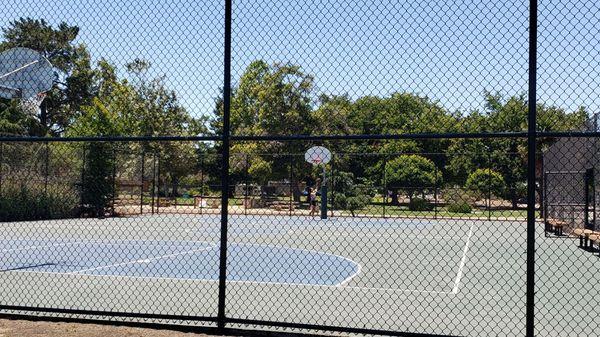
378, 210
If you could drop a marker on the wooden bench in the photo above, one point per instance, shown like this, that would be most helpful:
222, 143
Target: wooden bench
584, 236
594, 238
162, 202
555, 226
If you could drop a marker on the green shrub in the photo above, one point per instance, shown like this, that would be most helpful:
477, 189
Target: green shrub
26, 203
412, 174
459, 207
351, 194
453, 195
485, 181
420, 204
98, 185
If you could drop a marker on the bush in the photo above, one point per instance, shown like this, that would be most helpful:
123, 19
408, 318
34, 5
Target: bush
351, 195
459, 207
26, 203
411, 173
420, 204
453, 195
98, 185
484, 181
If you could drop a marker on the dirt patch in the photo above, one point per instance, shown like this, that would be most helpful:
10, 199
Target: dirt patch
19, 328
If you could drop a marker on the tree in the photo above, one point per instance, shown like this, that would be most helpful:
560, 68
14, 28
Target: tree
484, 181
72, 66
349, 194
506, 156
399, 113
97, 189
271, 100
148, 108
412, 174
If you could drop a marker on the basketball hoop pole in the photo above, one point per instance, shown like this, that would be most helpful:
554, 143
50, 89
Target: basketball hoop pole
324, 195
318, 155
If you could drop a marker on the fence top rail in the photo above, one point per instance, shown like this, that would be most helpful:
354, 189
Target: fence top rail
271, 138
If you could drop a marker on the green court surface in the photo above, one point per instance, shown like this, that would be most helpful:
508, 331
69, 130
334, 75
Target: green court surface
458, 277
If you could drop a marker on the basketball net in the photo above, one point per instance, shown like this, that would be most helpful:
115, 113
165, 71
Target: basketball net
32, 105
316, 161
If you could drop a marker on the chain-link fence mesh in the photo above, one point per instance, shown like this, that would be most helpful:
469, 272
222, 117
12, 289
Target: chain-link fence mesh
375, 160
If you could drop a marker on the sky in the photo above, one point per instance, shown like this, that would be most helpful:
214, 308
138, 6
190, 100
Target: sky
451, 51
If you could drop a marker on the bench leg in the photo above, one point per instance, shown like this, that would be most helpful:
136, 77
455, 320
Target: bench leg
580, 241
586, 243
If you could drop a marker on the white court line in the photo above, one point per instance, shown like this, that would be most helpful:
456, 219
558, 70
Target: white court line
462, 261
306, 285
156, 258
349, 278
336, 286
42, 246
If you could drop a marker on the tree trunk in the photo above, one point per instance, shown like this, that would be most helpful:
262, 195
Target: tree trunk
296, 193
394, 196
174, 187
513, 198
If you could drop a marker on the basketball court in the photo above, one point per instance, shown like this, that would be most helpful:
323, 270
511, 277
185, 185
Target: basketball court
427, 275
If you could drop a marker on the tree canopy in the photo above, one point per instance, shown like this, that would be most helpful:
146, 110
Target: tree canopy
94, 98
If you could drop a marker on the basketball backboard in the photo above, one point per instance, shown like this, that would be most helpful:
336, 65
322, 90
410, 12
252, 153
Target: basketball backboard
24, 73
318, 155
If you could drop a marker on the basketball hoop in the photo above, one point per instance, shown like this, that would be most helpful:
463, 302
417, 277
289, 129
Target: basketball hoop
25, 75
317, 155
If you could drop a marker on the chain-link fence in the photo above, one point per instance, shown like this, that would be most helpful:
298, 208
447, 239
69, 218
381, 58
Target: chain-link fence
402, 168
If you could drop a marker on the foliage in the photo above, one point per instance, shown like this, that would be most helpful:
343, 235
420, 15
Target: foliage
32, 202
97, 187
260, 169
349, 194
71, 63
420, 204
459, 207
484, 181
506, 156
412, 174
457, 195
93, 98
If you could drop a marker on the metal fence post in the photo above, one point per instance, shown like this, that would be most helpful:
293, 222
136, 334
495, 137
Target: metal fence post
201, 182
542, 189
385, 191
435, 192
1, 161
158, 183
489, 194
81, 198
246, 177
291, 183
332, 179
593, 194
142, 180
225, 166
545, 205
586, 201
153, 179
531, 158
114, 181
46, 168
